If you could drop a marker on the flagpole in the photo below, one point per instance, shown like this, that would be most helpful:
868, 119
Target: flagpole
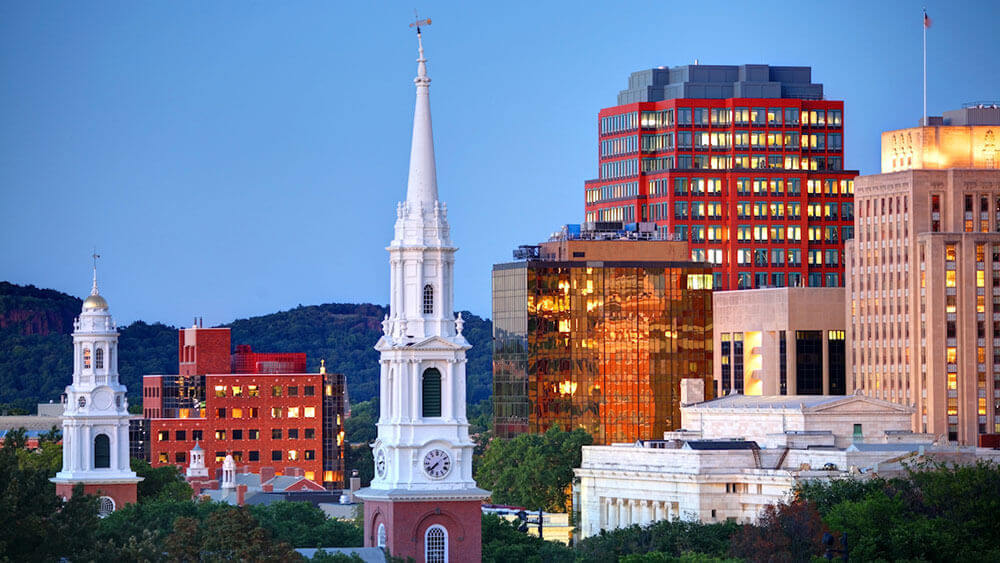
923, 25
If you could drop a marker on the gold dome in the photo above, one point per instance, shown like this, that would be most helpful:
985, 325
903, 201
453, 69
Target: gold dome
95, 301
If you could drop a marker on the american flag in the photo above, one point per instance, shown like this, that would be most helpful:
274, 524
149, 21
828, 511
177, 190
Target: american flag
927, 20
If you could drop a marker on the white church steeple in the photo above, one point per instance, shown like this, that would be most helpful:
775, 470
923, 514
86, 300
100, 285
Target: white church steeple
95, 416
423, 453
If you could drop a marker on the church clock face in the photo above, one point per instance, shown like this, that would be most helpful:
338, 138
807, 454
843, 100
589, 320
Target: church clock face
380, 463
437, 464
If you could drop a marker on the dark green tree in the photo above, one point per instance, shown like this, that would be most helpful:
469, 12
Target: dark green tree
502, 542
302, 524
164, 482
533, 470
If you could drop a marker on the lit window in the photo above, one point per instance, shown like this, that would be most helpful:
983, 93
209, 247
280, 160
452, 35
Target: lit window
293, 412
311, 475
237, 391
276, 391
310, 412
220, 434
949, 278
163, 435
253, 391
163, 457
293, 455
86, 358
276, 412
237, 413
220, 390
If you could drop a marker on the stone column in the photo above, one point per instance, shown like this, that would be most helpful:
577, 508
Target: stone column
417, 390
612, 514
448, 401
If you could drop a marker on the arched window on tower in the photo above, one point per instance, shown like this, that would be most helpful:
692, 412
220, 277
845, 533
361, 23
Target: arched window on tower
380, 541
86, 357
431, 391
107, 506
428, 299
102, 451
436, 544
99, 358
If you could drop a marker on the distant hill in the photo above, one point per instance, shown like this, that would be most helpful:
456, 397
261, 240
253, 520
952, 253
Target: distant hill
36, 359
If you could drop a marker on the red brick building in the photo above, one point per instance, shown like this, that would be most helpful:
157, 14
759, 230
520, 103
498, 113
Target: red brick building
745, 163
246, 404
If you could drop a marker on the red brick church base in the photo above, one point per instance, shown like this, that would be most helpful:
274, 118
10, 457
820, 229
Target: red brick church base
407, 522
121, 493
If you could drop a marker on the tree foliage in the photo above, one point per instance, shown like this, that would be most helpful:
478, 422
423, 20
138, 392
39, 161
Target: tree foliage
671, 538
36, 525
936, 513
502, 542
164, 482
533, 470
784, 532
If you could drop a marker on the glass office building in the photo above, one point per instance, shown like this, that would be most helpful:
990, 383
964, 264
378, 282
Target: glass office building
598, 345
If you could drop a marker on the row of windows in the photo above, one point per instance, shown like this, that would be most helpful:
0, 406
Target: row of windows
754, 186
254, 391
620, 122
237, 434
624, 213
620, 145
746, 280
612, 191
760, 233
757, 116
774, 140
792, 257
252, 455
725, 162
620, 168
757, 210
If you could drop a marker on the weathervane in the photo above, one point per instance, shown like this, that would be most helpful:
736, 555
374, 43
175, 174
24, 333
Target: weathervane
95, 256
417, 22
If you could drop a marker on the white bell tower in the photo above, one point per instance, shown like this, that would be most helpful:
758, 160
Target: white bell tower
95, 416
423, 453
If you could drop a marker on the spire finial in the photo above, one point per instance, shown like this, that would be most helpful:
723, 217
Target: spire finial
422, 183
421, 78
95, 256
322, 367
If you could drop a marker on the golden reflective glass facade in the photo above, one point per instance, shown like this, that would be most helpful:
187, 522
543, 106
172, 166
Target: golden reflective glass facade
599, 347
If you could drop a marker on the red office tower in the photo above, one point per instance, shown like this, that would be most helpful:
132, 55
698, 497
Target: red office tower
745, 163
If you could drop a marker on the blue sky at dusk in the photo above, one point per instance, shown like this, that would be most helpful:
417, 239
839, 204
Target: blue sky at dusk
235, 158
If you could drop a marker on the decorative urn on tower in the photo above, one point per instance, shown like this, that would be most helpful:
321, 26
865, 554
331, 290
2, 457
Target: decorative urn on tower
95, 417
423, 502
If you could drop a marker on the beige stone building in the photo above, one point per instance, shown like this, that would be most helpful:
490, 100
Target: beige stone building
923, 289
962, 138
738, 454
779, 341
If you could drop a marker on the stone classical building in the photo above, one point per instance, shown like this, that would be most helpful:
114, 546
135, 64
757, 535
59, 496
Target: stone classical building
923, 282
779, 341
737, 454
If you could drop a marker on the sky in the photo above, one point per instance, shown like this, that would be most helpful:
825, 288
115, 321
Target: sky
235, 158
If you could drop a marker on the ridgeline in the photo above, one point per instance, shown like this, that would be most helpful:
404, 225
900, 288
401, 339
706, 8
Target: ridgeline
36, 358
